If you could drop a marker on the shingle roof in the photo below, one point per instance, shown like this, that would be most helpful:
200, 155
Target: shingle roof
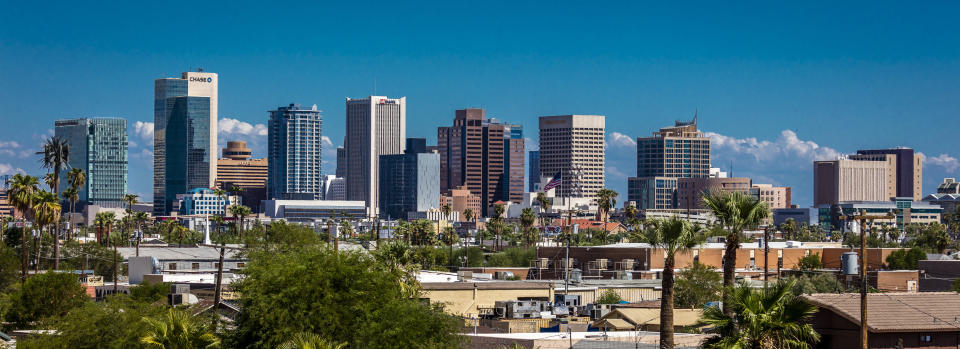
897, 312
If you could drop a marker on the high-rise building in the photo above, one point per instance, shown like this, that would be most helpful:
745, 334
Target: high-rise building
409, 181
294, 151
774, 197
237, 169
534, 179
681, 151
845, 180
461, 199
184, 136
341, 162
334, 188
513, 153
376, 126
476, 152
690, 191
98, 146
905, 169
573, 145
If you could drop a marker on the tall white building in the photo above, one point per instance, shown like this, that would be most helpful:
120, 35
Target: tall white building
184, 136
573, 145
376, 126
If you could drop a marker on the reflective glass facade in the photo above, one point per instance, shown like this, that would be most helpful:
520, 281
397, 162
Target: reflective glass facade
409, 183
294, 153
187, 146
98, 146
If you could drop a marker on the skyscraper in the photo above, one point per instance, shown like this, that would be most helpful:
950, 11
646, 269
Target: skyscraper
409, 181
184, 136
681, 151
294, 154
98, 146
476, 152
844, 180
341, 162
534, 180
376, 126
573, 145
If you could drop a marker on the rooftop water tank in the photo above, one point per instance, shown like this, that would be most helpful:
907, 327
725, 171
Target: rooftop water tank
849, 260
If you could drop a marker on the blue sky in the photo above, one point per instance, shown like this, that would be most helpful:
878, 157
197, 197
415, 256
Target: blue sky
777, 86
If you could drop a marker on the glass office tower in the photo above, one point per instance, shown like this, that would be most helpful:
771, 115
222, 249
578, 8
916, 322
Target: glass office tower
184, 137
98, 146
294, 165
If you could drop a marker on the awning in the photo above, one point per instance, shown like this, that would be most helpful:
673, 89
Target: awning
614, 324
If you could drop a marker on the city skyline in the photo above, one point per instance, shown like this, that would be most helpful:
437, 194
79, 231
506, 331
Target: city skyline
771, 102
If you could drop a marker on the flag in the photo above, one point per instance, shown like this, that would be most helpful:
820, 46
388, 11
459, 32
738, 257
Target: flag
553, 183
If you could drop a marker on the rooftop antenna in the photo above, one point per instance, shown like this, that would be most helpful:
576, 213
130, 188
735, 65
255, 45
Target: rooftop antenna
731, 169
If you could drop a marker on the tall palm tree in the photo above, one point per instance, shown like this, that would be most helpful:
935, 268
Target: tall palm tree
71, 194
47, 208
449, 237
671, 235
21, 193
498, 226
305, 340
239, 213
468, 215
104, 220
55, 157
139, 218
175, 330
527, 219
77, 179
736, 212
445, 209
544, 204
770, 317
606, 201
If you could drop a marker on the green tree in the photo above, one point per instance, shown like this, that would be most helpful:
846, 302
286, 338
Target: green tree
150, 292
816, 283
671, 235
113, 324
956, 286
496, 222
178, 330
606, 201
21, 193
609, 297
735, 212
528, 231
770, 317
77, 179
46, 209
55, 156
347, 297
45, 295
905, 259
810, 262
696, 286
305, 340
239, 213
789, 229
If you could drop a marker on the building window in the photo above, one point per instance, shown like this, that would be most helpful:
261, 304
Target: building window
195, 266
173, 266
240, 265
926, 338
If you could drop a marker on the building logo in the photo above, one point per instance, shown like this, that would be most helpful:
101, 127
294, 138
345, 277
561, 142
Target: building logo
200, 79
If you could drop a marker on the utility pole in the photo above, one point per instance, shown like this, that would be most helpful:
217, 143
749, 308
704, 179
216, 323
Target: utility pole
766, 255
862, 217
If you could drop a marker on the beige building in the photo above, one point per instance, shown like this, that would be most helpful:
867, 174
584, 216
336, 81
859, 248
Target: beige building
239, 169
774, 197
690, 190
461, 199
470, 299
844, 180
573, 145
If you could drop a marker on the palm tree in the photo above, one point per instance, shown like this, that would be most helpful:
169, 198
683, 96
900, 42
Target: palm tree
239, 212
544, 204
177, 329
305, 340
606, 200
468, 215
672, 235
445, 209
71, 194
55, 156
527, 219
77, 179
770, 317
21, 192
104, 220
735, 211
498, 210
47, 208
450, 238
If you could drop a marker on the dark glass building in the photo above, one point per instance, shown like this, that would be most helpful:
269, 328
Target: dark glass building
409, 181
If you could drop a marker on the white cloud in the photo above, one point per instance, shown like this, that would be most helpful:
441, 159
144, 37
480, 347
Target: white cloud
788, 145
618, 139
144, 130
948, 162
530, 145
326, 142
9, 144
228, 126
131, 144
7, 169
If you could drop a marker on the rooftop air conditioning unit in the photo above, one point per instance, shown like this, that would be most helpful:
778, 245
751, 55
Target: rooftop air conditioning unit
628, 264
542, 263
602, 263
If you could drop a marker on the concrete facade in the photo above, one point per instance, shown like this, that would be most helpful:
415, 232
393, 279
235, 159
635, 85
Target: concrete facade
573, 145
843, 180
375, 126
690, 191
